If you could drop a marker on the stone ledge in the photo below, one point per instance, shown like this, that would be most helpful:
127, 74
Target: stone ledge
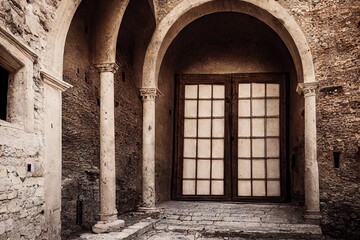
127, 233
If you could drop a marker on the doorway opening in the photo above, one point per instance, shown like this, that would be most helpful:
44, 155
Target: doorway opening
231, 137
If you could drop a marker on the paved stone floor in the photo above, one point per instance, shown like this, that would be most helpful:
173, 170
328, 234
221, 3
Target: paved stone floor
214, 220
219, 221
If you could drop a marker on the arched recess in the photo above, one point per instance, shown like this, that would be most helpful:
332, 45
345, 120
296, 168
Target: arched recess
269, 12
284, 25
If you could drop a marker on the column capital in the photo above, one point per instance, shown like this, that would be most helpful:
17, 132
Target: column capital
308, 88
107, 67
150, 93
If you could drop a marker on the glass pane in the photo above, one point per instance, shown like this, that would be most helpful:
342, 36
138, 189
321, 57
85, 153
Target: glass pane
258, 168
244, 127
273, 107
219, 91
273, 148
205, 108
218, 148
258, 148
203, 169
258, 90
204, 128
190, 148
273, 188
189, 187
244, 108
217, 187
189, 168
244, 90
191, 91
218, 128
190, 108
258, 107
189, 128
204, 148
203, 187
259, 188
244, 169
244, 148
205, 91
217, 170
272, 127
258, 127
273, 90
244, 188
218, 108
273, 168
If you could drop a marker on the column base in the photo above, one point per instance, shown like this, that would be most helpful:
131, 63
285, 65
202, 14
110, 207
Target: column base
312, 217
108, 226
148, 210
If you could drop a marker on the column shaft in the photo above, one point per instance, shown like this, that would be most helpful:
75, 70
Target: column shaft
148, 153
107, 148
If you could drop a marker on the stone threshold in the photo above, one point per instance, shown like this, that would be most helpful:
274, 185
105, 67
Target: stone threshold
129, 232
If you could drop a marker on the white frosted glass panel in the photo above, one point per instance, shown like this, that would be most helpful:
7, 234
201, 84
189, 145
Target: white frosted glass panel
203, 187
258, 168
244, 127
204, 148
244, 169
273, 168
218, 91
191, 91
258, 128
190, 128
217, 170
218, 128
188, 187
258, 90
217, 188
204, 128
203, 169
258, 107
244, 90
204, 91
244, 188
218, 108
273, 148
244, 147
205, 108
273, 188
273, 90
273, 107
190, 148
189, 168
272, 127
244, 108
190, 108
259, 188
258, 148
218, 148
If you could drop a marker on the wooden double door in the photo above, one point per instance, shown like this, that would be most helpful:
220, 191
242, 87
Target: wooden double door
231, 137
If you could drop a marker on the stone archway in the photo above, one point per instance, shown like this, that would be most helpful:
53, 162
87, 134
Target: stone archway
275, 16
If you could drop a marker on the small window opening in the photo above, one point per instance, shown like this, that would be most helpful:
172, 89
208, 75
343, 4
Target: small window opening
4, 85
336, 153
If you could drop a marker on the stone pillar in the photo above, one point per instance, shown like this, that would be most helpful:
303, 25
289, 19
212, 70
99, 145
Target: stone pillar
311, 177
148, 154
108, 213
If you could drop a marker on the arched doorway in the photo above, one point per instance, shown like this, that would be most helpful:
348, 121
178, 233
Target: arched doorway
158, 70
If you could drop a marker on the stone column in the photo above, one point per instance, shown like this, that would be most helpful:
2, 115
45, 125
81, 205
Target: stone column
311, 177
108, 213
148, 153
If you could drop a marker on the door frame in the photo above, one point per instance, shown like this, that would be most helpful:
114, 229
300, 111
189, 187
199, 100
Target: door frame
230, 167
